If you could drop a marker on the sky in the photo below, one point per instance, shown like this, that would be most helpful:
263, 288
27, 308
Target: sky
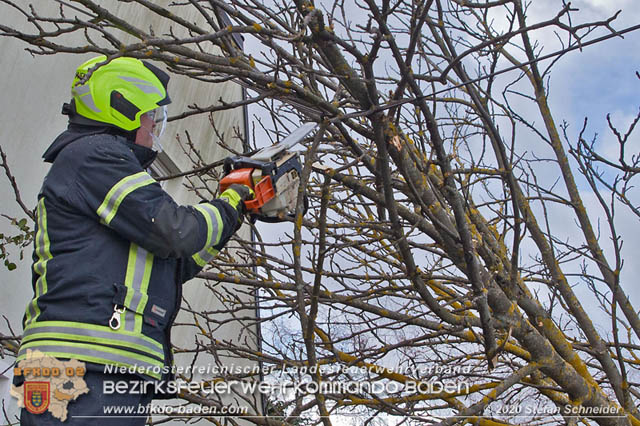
592, 83
589, 83
600, 79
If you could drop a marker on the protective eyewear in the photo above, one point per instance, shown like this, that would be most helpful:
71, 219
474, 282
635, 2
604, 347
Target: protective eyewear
159, 116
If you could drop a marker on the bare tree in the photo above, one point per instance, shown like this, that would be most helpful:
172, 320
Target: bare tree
429, 255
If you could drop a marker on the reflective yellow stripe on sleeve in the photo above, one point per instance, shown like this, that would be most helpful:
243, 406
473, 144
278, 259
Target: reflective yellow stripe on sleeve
214, 232
109, 207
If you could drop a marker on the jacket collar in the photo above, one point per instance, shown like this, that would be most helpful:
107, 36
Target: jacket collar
145, 155
74, 132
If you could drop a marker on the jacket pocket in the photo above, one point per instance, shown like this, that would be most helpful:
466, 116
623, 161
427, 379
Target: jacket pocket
131, 306
157, 312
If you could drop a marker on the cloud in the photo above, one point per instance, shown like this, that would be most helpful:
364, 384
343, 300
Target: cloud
604, 6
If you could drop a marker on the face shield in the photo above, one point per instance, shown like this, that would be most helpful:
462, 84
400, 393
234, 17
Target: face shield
159, 117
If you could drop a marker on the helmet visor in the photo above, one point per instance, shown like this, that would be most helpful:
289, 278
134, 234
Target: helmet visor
159, 116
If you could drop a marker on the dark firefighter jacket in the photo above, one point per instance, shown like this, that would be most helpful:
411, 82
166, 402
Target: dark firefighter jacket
112, 247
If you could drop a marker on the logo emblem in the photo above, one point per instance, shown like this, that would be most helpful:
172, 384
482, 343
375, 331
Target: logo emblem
36, 396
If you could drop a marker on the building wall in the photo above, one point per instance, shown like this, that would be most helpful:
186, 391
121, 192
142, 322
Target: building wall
33, 90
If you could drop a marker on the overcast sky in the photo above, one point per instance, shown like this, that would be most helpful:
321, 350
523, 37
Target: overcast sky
598, 81
591, 83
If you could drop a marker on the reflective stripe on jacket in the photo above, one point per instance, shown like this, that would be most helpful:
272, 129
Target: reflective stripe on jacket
111, 244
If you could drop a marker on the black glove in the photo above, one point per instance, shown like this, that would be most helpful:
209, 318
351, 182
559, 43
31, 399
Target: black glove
236, 195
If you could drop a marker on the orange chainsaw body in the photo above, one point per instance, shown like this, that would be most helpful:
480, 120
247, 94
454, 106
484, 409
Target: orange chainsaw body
261, 186
273, 173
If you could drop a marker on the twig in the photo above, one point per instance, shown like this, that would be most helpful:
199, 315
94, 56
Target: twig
14, 185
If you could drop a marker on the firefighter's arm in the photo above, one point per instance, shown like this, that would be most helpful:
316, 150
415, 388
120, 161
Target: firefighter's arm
234, 196
231, 199
113, 188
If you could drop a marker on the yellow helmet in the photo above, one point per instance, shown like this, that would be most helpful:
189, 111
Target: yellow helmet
120, 91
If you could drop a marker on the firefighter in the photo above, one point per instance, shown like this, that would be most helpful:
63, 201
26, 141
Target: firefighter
112, 248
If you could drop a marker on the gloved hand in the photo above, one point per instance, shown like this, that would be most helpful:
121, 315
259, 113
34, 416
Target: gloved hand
236, 195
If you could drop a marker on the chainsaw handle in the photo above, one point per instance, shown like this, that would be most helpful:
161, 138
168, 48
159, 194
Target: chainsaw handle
235, 163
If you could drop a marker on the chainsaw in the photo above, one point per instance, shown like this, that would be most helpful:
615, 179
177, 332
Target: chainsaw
273, 173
